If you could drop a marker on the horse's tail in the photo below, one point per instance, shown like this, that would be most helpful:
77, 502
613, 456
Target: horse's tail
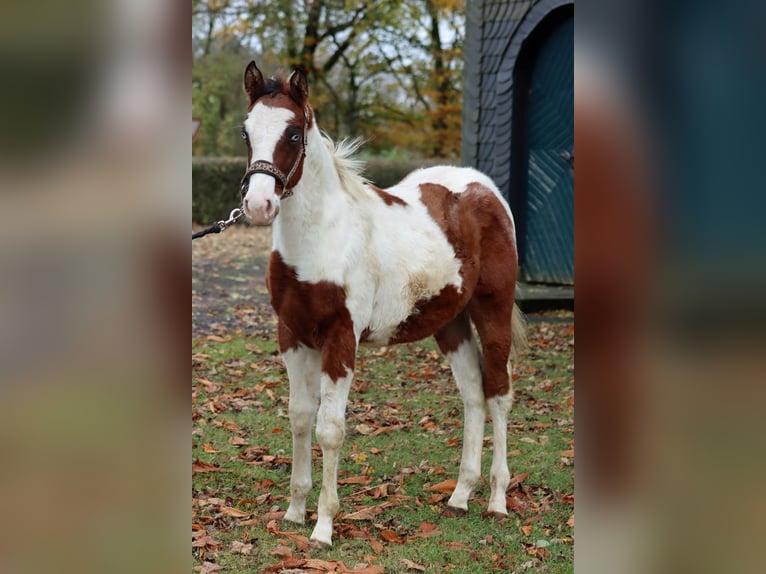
519, 343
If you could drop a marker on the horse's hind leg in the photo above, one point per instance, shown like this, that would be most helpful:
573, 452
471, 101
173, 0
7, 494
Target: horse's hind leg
458, 343
492, 317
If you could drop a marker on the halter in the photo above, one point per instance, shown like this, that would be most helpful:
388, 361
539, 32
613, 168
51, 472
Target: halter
267, 167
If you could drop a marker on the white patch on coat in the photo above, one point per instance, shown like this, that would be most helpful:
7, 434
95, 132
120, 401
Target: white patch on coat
386, 258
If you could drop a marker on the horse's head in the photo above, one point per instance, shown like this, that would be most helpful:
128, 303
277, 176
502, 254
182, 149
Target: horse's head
275, 131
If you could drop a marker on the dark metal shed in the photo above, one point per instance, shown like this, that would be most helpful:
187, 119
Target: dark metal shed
518, 123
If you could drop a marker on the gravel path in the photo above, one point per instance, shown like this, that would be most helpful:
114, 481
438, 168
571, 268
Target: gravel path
228, 283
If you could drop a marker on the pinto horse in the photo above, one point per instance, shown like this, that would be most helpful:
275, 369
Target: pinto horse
354, 264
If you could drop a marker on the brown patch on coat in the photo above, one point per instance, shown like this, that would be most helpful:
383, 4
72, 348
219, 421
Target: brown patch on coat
387, 198
314, 314
482, 234
454, 334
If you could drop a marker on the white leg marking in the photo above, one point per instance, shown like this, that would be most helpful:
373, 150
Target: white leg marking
331, 430
466, 368
500, 476
303, 370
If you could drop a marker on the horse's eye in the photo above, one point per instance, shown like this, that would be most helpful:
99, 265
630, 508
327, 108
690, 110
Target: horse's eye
295, 137
244, 135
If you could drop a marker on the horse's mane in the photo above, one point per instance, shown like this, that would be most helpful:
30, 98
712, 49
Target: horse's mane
349, 169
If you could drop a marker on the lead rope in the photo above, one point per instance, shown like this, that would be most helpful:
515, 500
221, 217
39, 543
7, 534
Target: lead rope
219, 226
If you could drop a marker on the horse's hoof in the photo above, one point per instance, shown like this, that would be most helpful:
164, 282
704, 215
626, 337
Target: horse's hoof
497, 516
453, 512
294, 517
319, 544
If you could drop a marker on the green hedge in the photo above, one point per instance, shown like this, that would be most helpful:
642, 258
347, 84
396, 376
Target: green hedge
215, 182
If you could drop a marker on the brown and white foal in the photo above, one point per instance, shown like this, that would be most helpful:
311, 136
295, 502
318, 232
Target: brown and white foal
354, 264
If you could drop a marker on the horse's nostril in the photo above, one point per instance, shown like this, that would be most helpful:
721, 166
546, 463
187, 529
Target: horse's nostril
268, 206
244, 204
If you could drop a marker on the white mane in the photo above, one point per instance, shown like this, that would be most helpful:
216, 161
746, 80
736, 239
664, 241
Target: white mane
349, 169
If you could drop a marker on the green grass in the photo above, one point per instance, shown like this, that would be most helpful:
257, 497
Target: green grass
240, 425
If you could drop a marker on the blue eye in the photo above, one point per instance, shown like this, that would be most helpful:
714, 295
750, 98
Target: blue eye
294, 138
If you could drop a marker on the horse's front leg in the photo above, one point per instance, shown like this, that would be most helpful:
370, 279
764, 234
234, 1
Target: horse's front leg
335, 382
303, 366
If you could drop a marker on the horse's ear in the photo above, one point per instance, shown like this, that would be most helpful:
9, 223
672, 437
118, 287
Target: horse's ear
299, 86
253, 82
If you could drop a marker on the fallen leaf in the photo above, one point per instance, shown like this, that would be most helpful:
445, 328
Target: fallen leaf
282, 551
517, 479
410, 565
568, 453
527, 530
570, 522
233, 512
364, 429
241, 547
426, 529
237, 441
207, 567
456, 546
199, 466
208, 448
376, 546
356, 480
390, 536
446, 486
206, 541
368, 512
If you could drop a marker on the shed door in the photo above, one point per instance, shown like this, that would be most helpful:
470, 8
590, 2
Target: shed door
548, 255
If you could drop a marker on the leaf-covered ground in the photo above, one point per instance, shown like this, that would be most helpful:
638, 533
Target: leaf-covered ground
402, 451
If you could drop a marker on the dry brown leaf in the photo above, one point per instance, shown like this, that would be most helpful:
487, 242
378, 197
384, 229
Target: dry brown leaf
571, 521
282, 551
233, 512
232, 426
322, 565
237, 441
368, 512
517, 479
527, 529
207, 567
390, 536
456, 546
426, 529
356, 480
199, 466
205, 541
410, 565
446, 486
376, 546
241, 547
568, 499
568, 453
208, 448
364, 429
